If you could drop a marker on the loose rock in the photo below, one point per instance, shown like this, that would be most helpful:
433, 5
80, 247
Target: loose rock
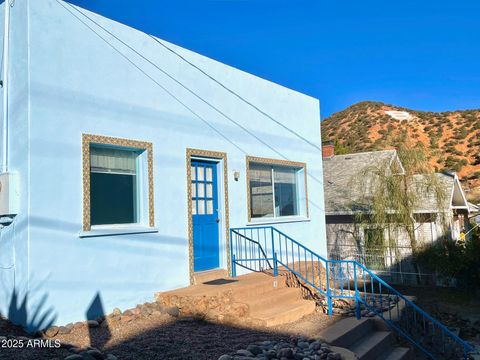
254, 349
173, 311
74, 357
52, 331
117, 311
243, 353
63, 330
296, 349
95, 354
334, 356
126, 318
92, 323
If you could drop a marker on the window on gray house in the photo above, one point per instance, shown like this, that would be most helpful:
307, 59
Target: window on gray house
276, 191
113, 185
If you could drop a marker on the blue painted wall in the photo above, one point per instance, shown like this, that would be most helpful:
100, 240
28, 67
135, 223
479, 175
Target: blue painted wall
67, 82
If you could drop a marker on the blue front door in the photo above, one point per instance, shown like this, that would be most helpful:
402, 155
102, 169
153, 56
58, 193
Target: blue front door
205, 218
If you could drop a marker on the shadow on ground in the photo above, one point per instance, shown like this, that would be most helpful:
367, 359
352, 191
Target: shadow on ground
176, 338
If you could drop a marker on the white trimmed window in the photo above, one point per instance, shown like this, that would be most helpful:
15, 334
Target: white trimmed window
276, 191
115, 185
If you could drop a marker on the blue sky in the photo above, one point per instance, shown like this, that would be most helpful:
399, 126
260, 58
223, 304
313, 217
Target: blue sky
419, 54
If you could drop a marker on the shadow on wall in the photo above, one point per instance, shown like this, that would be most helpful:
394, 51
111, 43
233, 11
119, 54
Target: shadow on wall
94, 312
42, 318
31, 321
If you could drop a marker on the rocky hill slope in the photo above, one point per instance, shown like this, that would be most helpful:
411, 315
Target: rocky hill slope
451, 139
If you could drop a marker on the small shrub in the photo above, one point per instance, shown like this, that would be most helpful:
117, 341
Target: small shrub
476, 175
453, 260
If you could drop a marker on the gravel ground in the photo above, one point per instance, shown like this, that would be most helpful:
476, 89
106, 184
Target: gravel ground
165, 337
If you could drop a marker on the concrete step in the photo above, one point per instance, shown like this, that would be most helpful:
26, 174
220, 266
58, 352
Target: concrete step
271, 297
273, 304
367, 338
347, 331
282, 313
373, 345
245, 285
209, 275
399, 353
252, 298
259, 289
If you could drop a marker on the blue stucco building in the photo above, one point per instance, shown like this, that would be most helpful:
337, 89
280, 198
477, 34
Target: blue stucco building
130, 158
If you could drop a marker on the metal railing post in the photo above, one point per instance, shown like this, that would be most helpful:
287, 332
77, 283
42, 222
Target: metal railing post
273, 241
234, 267
329, 291
232, 255
274, 255
358, 311
275, 269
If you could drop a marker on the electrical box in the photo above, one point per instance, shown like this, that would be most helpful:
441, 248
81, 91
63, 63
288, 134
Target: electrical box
9, 194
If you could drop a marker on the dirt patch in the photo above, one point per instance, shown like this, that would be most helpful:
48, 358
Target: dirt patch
162, 336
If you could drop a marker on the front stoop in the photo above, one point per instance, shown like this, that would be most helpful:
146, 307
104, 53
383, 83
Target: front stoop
209, 275
251, 299
366, 339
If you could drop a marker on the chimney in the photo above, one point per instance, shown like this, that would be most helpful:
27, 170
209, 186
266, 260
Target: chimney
328, 150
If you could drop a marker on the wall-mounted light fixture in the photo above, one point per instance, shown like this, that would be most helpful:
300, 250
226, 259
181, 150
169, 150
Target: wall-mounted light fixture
236, 175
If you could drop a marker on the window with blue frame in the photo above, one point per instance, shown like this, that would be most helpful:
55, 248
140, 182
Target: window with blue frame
276, 190
113, 185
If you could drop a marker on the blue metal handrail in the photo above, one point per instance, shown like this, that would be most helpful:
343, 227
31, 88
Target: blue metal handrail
345, 279
412, 304
238, 247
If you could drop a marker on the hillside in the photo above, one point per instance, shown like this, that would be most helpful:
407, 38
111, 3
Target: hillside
451, 138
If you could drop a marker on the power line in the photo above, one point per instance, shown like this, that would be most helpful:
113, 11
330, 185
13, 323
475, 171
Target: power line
171, 77
235, 93
166, 90
152, 79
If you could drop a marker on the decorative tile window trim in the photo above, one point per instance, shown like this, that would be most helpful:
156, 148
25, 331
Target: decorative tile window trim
214, 155
269, 161
87, 140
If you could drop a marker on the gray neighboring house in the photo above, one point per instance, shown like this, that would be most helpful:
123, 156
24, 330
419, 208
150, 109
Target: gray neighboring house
347, 239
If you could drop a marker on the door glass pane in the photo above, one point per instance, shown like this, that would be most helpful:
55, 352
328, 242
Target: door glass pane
209, 207
261, 191
285, 180
209, 190
201, 207
193, 173
194, 207
194, 190
200, 174
208, 174
201, 190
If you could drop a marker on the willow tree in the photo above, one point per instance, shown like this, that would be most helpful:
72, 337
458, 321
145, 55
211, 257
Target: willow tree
389, 192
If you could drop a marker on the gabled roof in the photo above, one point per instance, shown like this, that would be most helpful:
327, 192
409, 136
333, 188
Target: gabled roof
427, 201
342, 197
340, 171
473, 209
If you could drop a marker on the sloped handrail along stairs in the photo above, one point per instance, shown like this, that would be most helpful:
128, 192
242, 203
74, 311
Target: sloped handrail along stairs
266, 248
